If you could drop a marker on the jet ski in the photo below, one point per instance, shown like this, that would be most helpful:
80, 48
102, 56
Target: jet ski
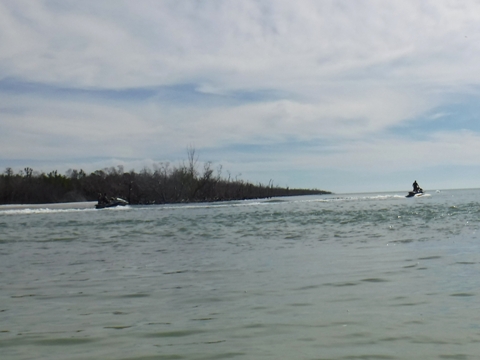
417, 193
113, 202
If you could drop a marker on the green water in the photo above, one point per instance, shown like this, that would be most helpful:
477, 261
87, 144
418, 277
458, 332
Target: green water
360, 276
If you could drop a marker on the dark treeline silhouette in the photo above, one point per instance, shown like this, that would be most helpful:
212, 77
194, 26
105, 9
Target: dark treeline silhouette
162, 184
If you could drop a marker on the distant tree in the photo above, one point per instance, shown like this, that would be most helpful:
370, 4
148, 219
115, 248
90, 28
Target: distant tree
165, 184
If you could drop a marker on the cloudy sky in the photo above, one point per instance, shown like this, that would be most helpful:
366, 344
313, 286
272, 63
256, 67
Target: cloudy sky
339, 95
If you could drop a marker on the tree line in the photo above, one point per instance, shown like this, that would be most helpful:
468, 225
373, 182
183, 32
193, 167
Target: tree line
162, 184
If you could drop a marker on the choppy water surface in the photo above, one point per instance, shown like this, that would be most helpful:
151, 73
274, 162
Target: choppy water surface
335, 277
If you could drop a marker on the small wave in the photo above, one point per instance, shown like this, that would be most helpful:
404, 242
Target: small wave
214, 205
275, 201
41, 211
357, 198
115, 208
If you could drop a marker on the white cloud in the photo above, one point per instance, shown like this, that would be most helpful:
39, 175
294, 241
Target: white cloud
237, 44
341, 71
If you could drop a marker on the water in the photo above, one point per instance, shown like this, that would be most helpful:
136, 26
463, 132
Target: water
360, 276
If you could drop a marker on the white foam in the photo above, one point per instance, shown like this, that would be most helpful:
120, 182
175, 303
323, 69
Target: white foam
47, 208
40, 211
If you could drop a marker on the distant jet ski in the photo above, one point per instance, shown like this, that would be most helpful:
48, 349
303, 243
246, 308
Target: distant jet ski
417, 193
112, 203
417, 190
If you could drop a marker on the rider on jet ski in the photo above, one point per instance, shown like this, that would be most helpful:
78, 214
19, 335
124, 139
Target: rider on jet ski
416, 188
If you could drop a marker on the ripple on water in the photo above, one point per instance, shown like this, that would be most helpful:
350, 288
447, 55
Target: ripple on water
375, 280
342, 284
174, 334
64, 341
155, 357
430, 258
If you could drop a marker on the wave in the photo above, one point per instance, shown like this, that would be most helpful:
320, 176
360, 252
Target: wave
40, 211
376, 197
46, 210
357, 198
212, 205
284, 200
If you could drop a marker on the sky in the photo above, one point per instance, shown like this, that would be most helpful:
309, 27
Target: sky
340, 95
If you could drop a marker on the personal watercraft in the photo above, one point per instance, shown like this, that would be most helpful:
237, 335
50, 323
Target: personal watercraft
112, 203
417, 193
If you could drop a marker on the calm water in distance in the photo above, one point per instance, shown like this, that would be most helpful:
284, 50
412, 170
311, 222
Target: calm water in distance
359, 276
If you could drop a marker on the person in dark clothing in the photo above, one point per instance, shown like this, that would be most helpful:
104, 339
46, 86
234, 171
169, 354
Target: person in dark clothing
102, 199
416, 187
